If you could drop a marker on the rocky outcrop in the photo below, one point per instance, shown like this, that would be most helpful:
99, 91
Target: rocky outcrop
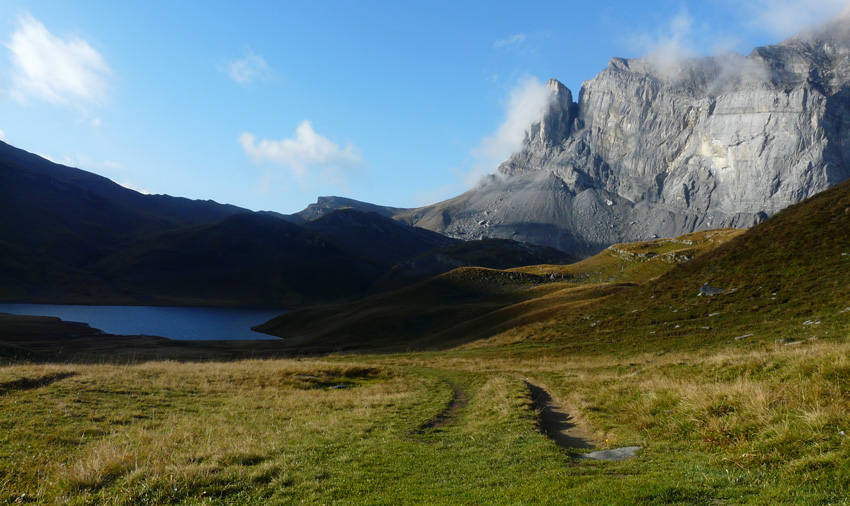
327, 205
656, 148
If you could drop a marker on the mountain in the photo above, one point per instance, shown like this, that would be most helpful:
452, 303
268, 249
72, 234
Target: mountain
487, 253
372, 235
660, 148
784, 281
69, 236
327, 205
58, 220
173, 211
471, 303
245, 259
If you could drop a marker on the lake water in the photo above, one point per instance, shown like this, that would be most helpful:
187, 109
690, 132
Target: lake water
184, 323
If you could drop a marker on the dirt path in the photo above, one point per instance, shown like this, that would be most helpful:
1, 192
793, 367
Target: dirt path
556, 423
448, 415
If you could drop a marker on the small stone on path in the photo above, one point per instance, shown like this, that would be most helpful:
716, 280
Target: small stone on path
624, 453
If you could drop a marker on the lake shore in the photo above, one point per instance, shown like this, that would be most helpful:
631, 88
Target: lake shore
49, 339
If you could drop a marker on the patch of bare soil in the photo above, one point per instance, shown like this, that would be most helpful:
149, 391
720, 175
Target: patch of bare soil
556, 423
448, 415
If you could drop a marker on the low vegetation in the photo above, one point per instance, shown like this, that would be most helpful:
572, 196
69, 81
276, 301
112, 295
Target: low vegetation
730, 427
739, 395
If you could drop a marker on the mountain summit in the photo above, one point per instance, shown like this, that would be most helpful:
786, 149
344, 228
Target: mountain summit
663, 147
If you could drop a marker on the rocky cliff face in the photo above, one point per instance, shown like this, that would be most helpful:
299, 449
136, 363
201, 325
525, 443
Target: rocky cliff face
665, 148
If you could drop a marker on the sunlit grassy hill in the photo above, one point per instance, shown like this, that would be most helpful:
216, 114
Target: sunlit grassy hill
784, 281
470, 303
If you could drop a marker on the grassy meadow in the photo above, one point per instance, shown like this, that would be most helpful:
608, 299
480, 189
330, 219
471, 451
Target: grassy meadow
742, 397
723, 427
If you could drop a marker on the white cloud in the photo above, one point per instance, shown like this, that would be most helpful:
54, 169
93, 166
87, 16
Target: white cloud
784, 18
60, 71
130, 186
526, 105
514, 40
669, 46
82, 161
246, 70
305, 152
2, 136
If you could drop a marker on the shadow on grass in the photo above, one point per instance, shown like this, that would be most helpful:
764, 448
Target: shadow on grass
557, 425
32, 383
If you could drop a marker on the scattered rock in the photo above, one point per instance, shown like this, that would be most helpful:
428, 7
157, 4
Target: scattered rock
710, 290
624, 453
743, 337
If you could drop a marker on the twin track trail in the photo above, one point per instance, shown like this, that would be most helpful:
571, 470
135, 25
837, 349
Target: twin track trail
449, 414
556, 423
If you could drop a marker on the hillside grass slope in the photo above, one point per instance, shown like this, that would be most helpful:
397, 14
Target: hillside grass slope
741, 397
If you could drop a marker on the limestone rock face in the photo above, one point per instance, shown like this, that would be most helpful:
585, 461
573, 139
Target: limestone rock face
655, 149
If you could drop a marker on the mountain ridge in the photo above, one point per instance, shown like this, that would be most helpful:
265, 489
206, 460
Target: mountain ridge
659, 149
70, 236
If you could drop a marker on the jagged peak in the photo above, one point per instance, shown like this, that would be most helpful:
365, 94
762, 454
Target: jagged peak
557, 88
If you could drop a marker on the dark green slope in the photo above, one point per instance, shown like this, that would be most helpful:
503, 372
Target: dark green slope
58, 221
372, 235
784, 282
246, 259
428, 314
488, 253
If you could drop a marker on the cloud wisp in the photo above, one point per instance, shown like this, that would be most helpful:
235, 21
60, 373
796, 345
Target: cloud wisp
784, 18
2, 136
526, 104
249, 69
59, 71
306, 153
514, 40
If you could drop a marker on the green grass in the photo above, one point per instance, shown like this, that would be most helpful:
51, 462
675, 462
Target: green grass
621, 341
737, 427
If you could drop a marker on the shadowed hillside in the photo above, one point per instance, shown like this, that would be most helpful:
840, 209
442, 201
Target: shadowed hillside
470, 303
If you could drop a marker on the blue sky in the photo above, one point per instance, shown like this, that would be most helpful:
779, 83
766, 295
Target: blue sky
268, 105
